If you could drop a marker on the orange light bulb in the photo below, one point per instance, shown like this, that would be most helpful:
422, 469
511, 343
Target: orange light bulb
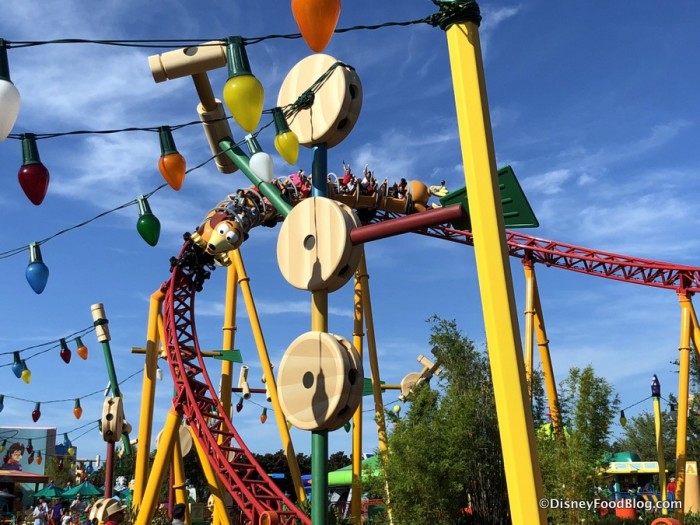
82, 349
172, 165
77, 409
316, 20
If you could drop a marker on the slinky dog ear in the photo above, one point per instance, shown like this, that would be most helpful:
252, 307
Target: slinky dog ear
217, 218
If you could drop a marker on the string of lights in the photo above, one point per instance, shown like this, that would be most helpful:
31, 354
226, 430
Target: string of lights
177, 43
85, 396
33, 175
77, 408
51, 344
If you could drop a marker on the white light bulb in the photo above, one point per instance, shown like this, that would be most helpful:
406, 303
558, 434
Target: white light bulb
262, 165
9, 107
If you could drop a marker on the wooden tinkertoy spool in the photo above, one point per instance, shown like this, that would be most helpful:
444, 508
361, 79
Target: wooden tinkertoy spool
314, 251
336, 104
320, 381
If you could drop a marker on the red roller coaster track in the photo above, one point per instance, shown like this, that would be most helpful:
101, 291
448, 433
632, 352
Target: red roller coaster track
253, 491
682, 279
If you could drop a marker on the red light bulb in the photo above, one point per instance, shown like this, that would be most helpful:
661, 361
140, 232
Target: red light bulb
36, 413
30, 447
65, 352
33, 175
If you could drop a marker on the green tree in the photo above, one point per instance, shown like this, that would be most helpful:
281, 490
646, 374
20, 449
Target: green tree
58, 471
445, 452
640, 437
571, 469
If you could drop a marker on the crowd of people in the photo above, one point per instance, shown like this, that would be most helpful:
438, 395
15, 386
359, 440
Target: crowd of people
298, 185
61, 512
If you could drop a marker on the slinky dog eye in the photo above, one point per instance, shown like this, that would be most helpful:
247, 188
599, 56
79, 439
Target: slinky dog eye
222, 229
232, 237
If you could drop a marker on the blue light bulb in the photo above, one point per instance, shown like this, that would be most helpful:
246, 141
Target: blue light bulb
17, 366
37, 272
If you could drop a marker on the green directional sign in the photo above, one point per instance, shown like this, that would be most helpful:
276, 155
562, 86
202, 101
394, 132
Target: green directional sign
230, 355
367, 387
517, 212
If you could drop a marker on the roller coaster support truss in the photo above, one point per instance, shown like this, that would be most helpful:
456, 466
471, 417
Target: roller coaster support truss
534, 327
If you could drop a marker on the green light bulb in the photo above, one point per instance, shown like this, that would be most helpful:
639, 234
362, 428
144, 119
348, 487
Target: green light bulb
148, 224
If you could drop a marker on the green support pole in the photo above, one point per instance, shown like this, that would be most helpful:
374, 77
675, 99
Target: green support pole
319, 321
102, 330
240, 159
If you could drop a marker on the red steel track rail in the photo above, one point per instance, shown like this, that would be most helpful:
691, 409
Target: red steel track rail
682, 279
196, 399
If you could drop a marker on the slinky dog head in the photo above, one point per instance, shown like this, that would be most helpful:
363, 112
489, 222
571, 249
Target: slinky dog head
218, 234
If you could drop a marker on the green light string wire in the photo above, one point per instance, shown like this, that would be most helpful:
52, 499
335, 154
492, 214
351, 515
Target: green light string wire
54, 344
176, 43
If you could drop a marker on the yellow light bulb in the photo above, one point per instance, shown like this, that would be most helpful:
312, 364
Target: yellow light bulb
27, 375
287, 145
244, 96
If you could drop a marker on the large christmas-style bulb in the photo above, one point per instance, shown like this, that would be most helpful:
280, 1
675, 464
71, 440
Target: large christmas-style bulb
148, 224
65, 351
33, 176
316, 20
82, 349
17, 365
172, 165
9, 96
37, 273
286, 141
77, 409
36, 413
260, 162
243, 93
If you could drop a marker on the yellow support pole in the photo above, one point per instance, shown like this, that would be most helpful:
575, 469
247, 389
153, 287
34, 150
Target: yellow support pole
660, 451
374, 369
550, 383
215, 486
683, 387
357, 335
523, 475
529, 324
161, 465
181, 495
696, 328
244, 283
148, 391
229, 329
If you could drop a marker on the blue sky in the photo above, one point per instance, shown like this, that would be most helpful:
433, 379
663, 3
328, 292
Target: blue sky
593, 104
